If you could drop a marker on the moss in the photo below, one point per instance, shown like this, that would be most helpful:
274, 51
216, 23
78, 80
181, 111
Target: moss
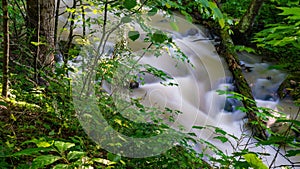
290, 87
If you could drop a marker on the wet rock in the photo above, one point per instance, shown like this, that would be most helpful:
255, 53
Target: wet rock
133, 84
246, 68
191, 32
232, 104
58, 57
42, 82
283, 128
290, 87
269, 98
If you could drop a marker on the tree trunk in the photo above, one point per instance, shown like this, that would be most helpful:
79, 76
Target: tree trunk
248, 19
242, 85
227, 51
56, 21
41, 23
5, 49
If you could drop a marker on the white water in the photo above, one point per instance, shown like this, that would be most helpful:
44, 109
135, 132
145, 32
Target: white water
195, 96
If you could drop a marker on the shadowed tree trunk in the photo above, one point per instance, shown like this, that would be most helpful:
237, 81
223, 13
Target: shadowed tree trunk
41, 25
243, 29
227, 51
5, 48
247, 21
242, 85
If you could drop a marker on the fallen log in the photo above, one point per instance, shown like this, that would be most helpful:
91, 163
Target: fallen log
227, 51
230, 55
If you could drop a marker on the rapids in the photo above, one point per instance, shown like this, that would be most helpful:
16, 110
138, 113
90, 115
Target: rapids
196, 96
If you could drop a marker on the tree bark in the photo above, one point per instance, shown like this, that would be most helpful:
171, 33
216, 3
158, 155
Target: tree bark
5, 76
248, 19
242, 85
227, 51
41, 22
56, 21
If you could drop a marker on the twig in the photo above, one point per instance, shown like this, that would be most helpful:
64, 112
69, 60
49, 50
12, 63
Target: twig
285, 135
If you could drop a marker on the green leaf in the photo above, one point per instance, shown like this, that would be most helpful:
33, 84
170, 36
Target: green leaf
188, 17
218, 130
126, 19
152, 12
61, 166
159, 37
168, 5
3, 103
43, 144
204, 3
63, 146
217, 13
221, 22
254, 161
113, 157
75, 155
103, 161
295, 122
174, 26
44, 160
156, 72
129, 4
221, 138
291, 153
31, 151
290, 11
244, 48
192, 134
199, 127
38, 43
133, 35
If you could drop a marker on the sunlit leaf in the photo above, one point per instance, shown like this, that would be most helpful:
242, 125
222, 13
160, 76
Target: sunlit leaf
13, 117
43, 144
217, 13
174, 26
73, 155
290, 11
63, 146
254, 161
168, 5
103, 161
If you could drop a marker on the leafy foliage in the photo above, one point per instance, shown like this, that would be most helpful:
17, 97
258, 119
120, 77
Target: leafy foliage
282, 34
41, 129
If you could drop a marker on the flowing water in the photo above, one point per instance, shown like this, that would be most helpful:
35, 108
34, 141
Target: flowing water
196, 96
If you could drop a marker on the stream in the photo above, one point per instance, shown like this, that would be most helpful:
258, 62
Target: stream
195, 94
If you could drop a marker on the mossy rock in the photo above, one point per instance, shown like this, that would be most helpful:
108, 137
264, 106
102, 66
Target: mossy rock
290, 87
